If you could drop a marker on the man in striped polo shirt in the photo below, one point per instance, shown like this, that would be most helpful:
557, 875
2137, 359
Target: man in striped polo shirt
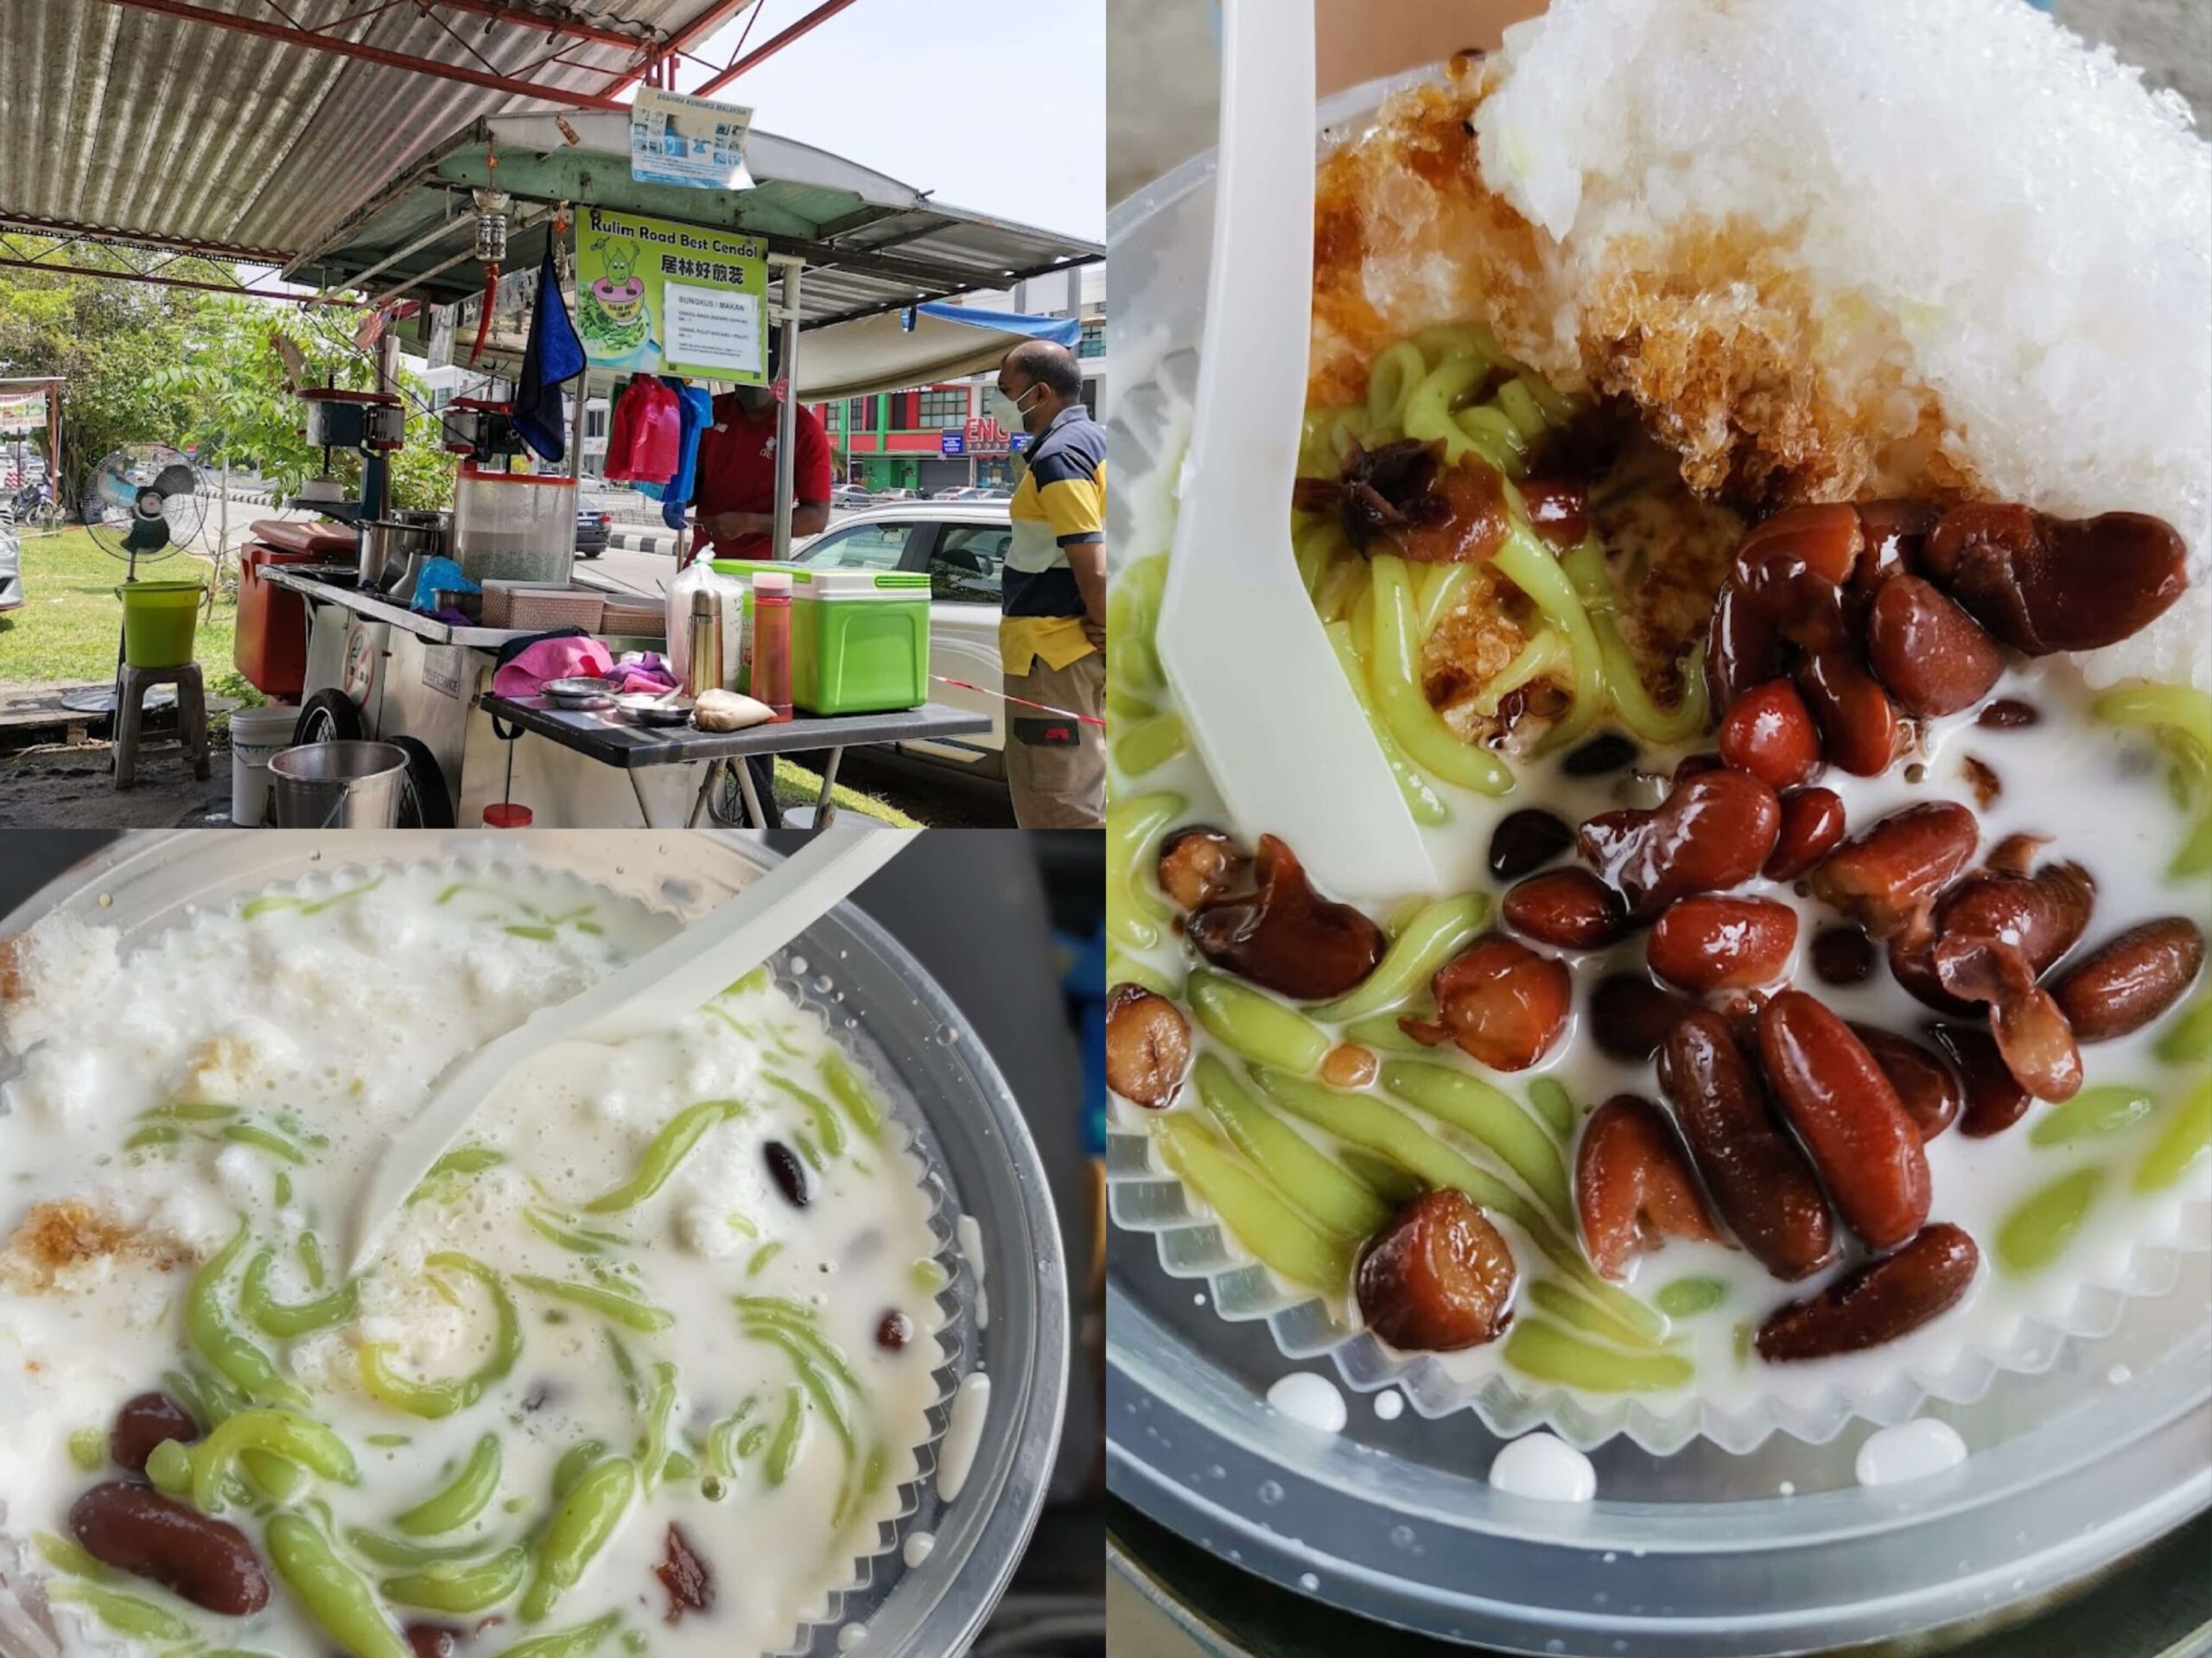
1053, 628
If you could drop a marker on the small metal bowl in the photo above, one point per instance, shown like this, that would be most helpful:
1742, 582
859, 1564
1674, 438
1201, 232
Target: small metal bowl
578, 693
647, 710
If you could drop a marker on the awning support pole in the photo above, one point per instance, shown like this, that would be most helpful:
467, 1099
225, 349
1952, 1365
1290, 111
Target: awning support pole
787, 414
775, 43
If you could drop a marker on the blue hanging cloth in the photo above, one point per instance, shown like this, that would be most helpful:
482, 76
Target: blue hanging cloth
554, 357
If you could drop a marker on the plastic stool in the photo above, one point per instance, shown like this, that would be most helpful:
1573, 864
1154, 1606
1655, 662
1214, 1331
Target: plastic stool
131, 685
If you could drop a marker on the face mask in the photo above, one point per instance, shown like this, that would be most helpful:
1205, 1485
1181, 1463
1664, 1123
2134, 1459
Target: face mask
1023, 409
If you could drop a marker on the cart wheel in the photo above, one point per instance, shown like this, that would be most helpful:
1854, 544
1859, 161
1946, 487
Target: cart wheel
424, 802
328, 716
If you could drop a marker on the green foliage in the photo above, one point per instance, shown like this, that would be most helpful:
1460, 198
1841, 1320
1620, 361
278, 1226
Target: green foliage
205, 371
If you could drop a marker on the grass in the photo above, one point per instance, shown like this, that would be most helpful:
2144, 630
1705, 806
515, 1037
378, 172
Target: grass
66, 633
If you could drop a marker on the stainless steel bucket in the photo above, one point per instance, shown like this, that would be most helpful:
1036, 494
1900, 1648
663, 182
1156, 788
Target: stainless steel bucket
338, 785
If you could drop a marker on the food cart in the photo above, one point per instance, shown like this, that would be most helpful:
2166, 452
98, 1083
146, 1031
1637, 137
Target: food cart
369, 190
847, 257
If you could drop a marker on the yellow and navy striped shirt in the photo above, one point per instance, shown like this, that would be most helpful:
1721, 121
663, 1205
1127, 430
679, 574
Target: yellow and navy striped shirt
1061, 502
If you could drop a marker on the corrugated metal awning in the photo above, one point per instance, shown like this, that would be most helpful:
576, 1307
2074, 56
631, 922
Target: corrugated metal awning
872, 244
144, 119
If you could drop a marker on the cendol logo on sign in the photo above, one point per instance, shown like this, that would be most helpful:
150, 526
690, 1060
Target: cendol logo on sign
674, 299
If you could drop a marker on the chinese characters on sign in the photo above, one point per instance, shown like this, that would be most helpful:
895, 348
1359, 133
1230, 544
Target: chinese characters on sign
678, 299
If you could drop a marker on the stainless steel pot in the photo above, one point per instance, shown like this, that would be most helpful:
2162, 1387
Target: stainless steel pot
387, 545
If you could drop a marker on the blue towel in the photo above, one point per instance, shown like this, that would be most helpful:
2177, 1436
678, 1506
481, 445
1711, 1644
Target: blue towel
697, 405
554, 357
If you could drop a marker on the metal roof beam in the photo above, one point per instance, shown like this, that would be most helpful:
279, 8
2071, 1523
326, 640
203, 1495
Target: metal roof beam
717, 14
775, 43
236, 290
310, 40
31, 224
499, 11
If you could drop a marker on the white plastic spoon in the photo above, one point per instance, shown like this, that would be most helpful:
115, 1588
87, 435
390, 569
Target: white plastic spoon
1260, 688
691, 968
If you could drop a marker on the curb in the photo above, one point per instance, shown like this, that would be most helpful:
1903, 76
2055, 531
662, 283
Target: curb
643, 541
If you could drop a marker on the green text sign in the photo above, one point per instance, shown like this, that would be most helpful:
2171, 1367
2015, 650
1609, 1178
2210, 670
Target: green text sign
673, 299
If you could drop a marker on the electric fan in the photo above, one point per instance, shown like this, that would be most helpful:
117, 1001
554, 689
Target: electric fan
142, 505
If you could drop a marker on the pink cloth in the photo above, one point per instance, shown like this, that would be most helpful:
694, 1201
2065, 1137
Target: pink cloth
565, 658
646, 673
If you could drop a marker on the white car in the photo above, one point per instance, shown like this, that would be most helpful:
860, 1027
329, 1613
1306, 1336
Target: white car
961, 547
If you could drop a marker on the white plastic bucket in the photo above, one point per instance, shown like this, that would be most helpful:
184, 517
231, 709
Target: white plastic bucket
255, 734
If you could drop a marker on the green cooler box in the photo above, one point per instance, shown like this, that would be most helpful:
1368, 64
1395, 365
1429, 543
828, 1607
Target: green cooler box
860, 638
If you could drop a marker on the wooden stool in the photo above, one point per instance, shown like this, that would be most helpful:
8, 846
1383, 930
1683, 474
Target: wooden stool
131, 685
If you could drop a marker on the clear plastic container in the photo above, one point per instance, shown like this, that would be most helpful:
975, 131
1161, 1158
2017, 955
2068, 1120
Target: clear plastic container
875, 998
1699, 1553
513, 526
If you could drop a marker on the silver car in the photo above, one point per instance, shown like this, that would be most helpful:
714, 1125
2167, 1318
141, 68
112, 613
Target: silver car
961, 547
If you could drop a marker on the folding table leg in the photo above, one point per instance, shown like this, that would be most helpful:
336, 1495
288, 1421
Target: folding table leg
825, 811
644, 811
706, 788
753, 819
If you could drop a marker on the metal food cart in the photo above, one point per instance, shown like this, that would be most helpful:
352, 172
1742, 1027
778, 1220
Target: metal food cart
351, 198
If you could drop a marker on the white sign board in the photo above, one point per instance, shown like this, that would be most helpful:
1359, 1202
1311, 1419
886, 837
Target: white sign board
695, 141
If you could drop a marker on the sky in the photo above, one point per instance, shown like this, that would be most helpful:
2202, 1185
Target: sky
996, 105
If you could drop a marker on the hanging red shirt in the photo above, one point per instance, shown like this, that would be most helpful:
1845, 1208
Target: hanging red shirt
737, 470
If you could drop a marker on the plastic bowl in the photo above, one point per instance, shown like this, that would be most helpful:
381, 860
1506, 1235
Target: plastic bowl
879, 1000
1700, 1553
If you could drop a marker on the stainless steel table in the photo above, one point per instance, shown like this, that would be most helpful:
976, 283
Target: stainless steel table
606, 737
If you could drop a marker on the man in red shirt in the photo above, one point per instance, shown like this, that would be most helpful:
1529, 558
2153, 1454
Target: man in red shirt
734, 497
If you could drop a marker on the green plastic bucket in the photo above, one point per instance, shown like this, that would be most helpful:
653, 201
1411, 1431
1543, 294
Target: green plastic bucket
158, 618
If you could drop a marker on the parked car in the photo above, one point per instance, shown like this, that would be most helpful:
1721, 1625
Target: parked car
592, 529
961, 545
849, 498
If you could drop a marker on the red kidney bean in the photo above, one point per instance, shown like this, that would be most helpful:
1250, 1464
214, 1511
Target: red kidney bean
1930, 655
2042, 915
2016, 854
1633, 1188
1569, 909
2043, 584
1994, 1099
135, 1528
1842, 956
1630, 1016
1503, 1004
1759, 1180
1708, 943
1147, 1046
1828, 538
1859, 729
1713, 832
1438, 1278
1285, 936
145, 1422
1525, 840
1926, 1086
1995, 934
1812, 826
1897, 537
1770, 733
1887, 878
788, 1172
434, 1640
1198, 865
684, 1574
894, 1330
2008, 714
1609, 752
1558, 509
1876, 1303
1773, 598
1982, 778
1914, 970
1852, 1124
2124, 983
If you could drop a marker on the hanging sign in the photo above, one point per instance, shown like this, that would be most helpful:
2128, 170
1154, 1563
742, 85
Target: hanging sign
678, 299
693, 141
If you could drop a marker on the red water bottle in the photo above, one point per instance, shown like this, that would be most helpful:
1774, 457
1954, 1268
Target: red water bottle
771, 642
